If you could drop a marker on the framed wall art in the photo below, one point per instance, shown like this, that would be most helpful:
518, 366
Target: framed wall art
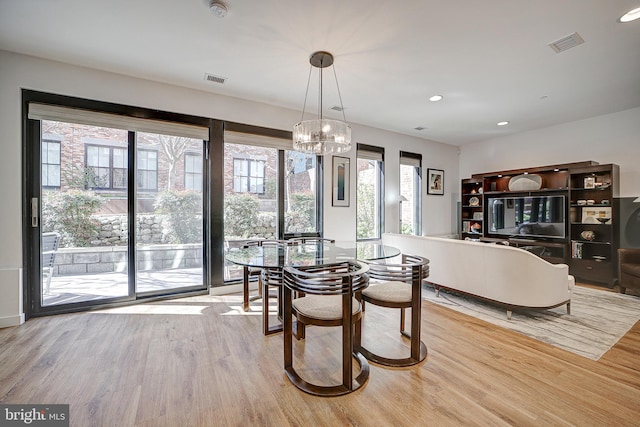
435, 181
340, 181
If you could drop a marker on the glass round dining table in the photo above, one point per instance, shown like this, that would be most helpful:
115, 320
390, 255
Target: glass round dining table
309, 253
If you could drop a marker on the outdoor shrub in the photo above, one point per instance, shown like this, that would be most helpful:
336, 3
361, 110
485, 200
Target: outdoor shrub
184, 212
302, 213
365, 211
240, 214
69, 213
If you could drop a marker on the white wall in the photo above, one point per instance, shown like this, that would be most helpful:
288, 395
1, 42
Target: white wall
611, 138
18, 72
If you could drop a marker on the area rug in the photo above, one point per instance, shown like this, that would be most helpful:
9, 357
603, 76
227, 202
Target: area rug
597, 321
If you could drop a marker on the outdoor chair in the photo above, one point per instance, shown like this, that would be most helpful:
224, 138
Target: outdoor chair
50, 242
399, 286
329, 301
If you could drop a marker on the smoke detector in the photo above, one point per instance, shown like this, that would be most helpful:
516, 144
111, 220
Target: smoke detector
218, 8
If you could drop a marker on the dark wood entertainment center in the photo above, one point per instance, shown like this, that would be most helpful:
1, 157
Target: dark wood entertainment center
586, 236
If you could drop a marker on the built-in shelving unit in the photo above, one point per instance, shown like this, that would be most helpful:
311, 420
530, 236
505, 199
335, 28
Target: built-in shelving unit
472, 208
594, 228
585, 234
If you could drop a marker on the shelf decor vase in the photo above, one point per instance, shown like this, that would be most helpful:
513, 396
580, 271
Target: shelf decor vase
528, 182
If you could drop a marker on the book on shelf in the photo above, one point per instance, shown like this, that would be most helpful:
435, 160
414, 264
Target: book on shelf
576, 249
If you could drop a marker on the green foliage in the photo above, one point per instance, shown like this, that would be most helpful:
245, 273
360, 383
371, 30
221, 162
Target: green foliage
365, 222
302, 212
240, 215
406, 228
184, 211
69, 213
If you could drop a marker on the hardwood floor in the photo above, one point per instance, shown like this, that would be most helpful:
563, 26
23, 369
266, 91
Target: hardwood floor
201, 361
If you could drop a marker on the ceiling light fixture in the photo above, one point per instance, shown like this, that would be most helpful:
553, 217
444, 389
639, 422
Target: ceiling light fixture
502, 123
436, 98
632, 15
218, 8
322, 136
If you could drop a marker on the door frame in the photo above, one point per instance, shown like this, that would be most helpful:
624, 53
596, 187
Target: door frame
31, 188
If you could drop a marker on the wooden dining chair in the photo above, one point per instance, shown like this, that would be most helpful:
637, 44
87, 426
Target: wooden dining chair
398, 286
248, 272
271, 280
303, 240
329, 301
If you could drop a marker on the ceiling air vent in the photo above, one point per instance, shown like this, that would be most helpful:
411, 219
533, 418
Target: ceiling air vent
337, 108
419, 128
566, 43
213, 78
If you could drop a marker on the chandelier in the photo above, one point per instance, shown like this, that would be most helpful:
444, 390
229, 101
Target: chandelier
322, 136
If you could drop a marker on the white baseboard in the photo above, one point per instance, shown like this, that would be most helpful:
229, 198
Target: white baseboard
9, 321
231, 289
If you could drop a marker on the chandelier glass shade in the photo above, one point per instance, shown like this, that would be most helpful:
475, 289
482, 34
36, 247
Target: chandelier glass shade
321, 136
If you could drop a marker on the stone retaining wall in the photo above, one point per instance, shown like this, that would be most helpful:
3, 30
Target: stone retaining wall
71, 261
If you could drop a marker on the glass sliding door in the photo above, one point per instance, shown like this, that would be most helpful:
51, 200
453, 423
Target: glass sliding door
250, 197
169, 213
83, 225
270, 192
116, 203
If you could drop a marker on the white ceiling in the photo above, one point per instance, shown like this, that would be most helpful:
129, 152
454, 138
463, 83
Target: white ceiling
490, 59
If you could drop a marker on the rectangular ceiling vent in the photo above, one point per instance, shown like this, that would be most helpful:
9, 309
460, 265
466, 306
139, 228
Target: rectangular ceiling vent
566, 43
213, 78
337, 108
419, 128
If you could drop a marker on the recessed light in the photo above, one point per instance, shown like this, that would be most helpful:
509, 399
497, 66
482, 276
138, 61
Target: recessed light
526, 173
502, 123
500, 176
436, 98
632, 15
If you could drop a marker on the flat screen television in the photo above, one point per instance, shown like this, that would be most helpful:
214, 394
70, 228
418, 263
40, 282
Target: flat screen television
527, 216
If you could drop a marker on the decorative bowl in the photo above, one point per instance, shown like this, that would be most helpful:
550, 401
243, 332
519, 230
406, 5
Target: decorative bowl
588, 235
603, 220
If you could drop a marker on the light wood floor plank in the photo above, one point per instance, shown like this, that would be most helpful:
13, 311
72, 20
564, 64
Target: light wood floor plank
208, 364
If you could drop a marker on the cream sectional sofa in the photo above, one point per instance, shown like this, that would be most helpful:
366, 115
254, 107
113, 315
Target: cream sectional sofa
510, 276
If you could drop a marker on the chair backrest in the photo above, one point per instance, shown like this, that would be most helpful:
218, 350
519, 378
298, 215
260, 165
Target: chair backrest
270, 242
312, 240
50, 242
330, 279
413, 268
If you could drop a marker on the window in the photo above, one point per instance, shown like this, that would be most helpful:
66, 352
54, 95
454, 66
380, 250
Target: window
50, 163
248, 176
193, 171
106, 167
369, 192
410, 193
147, 170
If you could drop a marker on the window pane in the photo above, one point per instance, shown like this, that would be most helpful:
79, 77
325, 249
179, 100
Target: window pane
300, 193
409, 199
119, 158
368, 199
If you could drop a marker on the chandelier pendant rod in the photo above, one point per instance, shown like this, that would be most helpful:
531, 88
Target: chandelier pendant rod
306, 93
344, 117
